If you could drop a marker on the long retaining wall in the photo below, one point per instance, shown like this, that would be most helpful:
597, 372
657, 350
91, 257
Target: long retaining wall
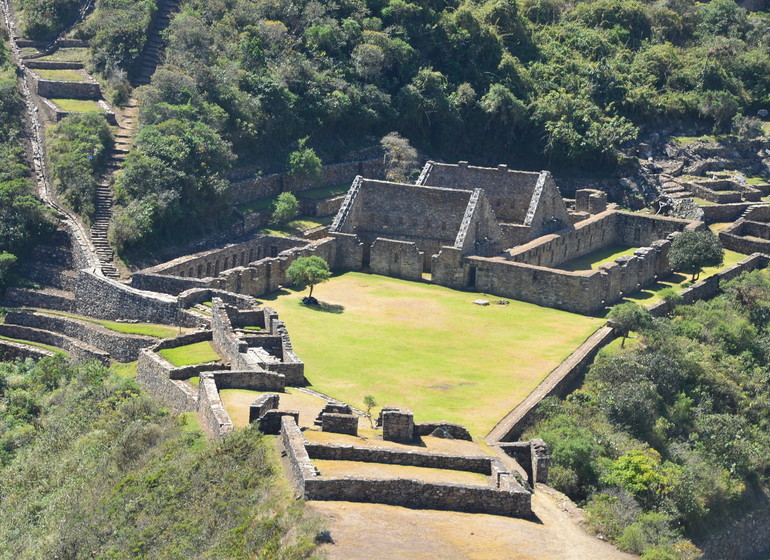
103, 298
154, 375
121, 347
10, 350
211, 410
480, 464
78, 350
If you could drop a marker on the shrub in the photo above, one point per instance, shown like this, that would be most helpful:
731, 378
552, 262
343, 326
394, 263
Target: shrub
285, 209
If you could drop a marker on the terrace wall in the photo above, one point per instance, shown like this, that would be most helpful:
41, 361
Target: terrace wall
65, 90
75, 348
270, 186
122, 347
103, 298
154, 373
212, 414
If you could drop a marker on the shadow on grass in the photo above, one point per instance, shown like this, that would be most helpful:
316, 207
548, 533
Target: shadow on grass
325, 307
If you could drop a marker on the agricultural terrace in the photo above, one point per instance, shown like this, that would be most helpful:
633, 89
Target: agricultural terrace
426, 347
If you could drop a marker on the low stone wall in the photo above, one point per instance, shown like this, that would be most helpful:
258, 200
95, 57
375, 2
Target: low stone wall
66, 90
13, 350
477, 464
724, 212
250, 380
455, 431
45, 300
302, 468
711, 286
165, 283
321, 208
419, 495
122, 347
183, 340
53, 64
339, 423
532, 456
76, 349
212, 414
191, 297
154, 375
263, 403
103, 298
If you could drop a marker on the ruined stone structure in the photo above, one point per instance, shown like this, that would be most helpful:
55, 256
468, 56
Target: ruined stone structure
750, 233
423, 219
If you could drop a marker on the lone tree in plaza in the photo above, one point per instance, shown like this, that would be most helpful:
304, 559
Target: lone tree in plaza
693, 250
627, 317
308, 271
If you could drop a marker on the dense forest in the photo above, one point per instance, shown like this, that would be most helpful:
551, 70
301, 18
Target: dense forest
91, 467
528, 82
666, 437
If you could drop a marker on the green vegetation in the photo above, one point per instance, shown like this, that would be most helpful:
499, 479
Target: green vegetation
60, 75
691, 251
592, 261
38, 344
296, 227
70, 54
654, 293
308, 271
117, 32
45, 19
670, 435
127, 370
191, 354
93, 468
304, 163
77, 105
628, 317
78, 150
401, 342
144, 329
23, 218
285, 208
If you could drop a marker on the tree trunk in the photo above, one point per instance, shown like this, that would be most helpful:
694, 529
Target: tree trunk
311, 290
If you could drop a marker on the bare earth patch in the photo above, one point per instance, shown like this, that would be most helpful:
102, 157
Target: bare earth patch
383, 471
380, 532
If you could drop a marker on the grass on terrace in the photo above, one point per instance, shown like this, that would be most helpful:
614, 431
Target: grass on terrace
77, 105
592, 261
61, 75
70, 54
679, 281
145, 329
427, 347
191, 354
53, 349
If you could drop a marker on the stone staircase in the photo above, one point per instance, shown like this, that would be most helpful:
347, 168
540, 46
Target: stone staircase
124, 135
154, 47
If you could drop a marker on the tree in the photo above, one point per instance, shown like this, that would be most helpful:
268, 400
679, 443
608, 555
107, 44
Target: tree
627, 317
370, 402
400, 157
308, 271
693, 250
7, 262
304, 162
285, 208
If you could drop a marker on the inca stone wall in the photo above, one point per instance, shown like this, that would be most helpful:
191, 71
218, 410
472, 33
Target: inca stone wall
211, 411
332, 176
481, 464
65, 90
400, 259
13, 350
100, 297
75, 348
122, 347
154, 375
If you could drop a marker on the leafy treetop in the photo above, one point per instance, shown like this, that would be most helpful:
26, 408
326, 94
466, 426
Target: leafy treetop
308, 271
693, 250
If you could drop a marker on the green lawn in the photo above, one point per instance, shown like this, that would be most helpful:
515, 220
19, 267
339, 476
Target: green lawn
145, 329
427, 347
77, 105
125, 370
61, 75
679, 281
592, 261
324, 192
70, 54
297, 227
38, 344
191, 354
702, 201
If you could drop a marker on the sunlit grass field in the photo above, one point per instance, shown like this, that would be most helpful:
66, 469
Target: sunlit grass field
427, 347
